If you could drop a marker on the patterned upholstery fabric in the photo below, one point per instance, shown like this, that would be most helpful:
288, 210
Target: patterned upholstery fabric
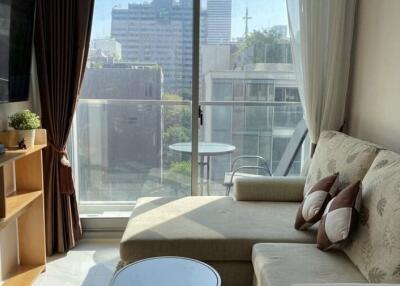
284, 264
337, 152
340, 218
375, 246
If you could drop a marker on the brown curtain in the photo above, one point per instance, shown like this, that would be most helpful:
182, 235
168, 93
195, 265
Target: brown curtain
62, 35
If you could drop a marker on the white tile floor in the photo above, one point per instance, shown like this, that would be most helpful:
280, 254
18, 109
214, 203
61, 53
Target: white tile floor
91, 263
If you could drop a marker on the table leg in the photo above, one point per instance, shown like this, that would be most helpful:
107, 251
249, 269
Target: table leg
208, 174
201, 175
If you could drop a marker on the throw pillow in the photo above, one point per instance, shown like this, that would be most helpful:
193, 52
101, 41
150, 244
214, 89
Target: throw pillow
315, 202
340, 218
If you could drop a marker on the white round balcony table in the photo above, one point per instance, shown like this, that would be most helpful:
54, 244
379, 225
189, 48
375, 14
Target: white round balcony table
167, 271
205, 150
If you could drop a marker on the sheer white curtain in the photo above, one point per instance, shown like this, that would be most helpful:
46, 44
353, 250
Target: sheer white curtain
321, 35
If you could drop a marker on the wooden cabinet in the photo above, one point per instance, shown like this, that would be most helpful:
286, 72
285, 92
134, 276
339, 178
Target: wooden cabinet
22, 202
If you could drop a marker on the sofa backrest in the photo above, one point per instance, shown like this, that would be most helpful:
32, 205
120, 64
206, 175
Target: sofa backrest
338, 152
375, 246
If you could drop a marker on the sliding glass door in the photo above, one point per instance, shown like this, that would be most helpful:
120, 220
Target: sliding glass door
248, 93
174, 91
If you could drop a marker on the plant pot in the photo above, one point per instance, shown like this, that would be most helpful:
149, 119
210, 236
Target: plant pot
28, 136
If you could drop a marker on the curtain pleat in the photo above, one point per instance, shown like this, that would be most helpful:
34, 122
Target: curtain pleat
321, 35
62, 35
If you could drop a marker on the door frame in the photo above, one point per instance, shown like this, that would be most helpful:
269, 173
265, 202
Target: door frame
195, 96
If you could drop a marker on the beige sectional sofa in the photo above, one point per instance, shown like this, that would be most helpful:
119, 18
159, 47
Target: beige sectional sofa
250, 239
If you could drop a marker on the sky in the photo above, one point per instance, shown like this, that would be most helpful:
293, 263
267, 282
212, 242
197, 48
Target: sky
264, 13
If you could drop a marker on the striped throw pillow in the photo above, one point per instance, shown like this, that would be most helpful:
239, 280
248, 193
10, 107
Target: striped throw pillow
315, 201
340, 218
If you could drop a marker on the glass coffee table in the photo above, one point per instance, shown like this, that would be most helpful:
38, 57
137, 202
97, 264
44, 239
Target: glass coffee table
167, 271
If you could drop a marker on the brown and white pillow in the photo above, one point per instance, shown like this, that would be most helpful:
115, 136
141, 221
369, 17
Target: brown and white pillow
315, 201
340, 218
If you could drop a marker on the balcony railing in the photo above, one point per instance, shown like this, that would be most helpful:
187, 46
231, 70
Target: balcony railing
120, 148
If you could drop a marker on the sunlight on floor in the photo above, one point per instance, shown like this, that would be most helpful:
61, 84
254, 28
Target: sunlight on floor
91, 263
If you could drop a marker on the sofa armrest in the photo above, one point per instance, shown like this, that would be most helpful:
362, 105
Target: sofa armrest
274, 189
343, 284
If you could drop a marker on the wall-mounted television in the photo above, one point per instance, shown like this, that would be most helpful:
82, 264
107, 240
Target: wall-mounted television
16, 36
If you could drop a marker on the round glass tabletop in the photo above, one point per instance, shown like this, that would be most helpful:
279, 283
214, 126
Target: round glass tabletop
205, 148
167, 271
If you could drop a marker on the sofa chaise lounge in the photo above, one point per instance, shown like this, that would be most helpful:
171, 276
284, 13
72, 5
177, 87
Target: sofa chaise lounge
250, 239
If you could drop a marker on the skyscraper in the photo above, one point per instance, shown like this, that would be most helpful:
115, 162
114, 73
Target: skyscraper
159, 32
219, 14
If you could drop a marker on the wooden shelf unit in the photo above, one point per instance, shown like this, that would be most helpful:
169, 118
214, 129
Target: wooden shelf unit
22, 201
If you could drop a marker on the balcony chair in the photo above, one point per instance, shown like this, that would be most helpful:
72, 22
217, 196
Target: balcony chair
234, 173
283, 167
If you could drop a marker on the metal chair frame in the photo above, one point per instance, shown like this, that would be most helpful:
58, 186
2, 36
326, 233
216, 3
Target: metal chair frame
264, 167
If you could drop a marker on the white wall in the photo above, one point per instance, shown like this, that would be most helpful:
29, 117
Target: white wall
6, 109
374, 103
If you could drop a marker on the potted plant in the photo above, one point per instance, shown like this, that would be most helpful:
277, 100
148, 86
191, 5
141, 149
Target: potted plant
25, 122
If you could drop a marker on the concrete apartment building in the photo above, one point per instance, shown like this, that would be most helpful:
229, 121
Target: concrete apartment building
261, 112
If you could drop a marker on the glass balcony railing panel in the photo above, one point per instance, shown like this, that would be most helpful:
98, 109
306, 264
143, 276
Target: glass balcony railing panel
124, 154
262, 128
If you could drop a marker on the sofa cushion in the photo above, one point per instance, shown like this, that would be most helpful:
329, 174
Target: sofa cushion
276, 188
375, 246
315, 202
282, 264
340, 218
207, 228
337, 152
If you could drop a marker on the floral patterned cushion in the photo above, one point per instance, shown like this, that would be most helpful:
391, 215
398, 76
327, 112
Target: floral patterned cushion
375, 245
337, 152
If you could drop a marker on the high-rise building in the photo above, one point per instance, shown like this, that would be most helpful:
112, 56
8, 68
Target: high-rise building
219, 14
158, 32
203, 27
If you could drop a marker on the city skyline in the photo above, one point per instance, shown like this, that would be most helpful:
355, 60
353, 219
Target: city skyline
274, 11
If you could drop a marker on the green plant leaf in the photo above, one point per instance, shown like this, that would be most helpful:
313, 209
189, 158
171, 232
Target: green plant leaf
24, 120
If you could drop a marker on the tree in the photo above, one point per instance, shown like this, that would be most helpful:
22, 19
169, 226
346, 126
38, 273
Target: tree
266, 46
176, 115
177, 128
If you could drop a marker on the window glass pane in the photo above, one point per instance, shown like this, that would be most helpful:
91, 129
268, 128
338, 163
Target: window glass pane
262, 90
247, 63
279, 94
135, 103
292, 94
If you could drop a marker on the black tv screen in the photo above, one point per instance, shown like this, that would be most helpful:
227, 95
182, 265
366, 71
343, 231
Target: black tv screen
16, 35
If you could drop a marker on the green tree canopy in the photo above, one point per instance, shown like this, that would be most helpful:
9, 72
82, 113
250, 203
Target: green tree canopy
266, 46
